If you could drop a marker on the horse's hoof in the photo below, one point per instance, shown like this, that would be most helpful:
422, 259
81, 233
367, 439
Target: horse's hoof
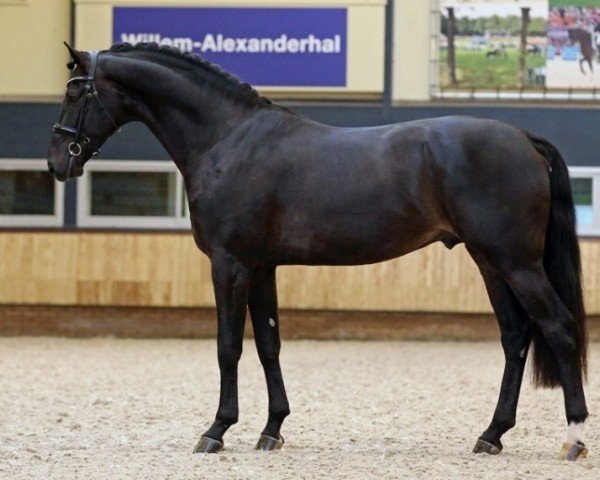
208, 445
573, 451
486, 447
267, 443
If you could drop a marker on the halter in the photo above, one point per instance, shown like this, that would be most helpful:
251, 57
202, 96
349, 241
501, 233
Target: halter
91, 92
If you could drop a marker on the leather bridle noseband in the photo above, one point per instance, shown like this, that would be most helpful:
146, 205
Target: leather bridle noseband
91, 93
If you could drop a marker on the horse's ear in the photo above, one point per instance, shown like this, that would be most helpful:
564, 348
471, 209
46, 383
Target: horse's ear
79, 58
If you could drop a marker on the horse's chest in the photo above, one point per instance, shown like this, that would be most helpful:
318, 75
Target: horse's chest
219, 222
204, 222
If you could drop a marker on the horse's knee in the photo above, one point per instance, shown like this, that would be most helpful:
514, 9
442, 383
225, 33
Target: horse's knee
269, 354
229, 354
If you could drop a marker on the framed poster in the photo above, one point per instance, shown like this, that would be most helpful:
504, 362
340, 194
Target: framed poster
573, 58
493, 45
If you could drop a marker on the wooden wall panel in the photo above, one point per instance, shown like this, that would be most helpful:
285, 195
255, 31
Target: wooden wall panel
166, 269
433, 279
590, 260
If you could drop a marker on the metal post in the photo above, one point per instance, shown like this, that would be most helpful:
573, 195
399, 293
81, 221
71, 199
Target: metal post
388, 63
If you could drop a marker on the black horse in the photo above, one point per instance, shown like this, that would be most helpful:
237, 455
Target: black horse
268, 187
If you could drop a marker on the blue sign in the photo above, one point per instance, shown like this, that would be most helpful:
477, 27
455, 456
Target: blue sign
263, 46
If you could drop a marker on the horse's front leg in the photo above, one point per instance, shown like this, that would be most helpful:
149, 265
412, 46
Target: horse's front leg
262, 301
230, 282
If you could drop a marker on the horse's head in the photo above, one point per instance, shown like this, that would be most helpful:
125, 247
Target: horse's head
91, 112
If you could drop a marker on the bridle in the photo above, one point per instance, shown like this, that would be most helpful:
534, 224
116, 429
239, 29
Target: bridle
91, 93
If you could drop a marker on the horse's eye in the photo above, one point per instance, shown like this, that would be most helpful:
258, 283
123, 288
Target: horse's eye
74, 92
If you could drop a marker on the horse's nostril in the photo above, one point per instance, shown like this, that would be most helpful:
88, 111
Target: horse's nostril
50, 168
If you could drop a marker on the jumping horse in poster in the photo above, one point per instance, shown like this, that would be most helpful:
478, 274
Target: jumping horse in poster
269, 187
584, 39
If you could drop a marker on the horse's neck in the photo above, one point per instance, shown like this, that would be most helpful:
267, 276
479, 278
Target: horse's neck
187, 118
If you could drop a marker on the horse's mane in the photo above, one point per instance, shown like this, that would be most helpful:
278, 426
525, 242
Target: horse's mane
209, 72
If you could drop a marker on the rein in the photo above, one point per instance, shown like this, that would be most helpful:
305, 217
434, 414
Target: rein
90, 94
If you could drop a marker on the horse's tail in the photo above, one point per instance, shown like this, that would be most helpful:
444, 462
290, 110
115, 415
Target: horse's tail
562, 263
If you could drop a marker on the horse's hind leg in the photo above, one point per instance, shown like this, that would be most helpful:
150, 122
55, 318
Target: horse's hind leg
589, 62
515, 334
539, 299
262, 301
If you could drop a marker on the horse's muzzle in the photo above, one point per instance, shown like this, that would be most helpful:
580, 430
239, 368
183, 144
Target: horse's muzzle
71, 169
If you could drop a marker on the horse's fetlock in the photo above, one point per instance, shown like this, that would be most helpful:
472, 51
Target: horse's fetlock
280, 413
504, 424
228, 419
578, 417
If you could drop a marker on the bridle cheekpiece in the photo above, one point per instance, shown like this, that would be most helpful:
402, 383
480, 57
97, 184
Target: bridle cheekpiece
90, 94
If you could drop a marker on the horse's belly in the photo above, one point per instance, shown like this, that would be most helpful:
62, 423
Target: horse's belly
363, 243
